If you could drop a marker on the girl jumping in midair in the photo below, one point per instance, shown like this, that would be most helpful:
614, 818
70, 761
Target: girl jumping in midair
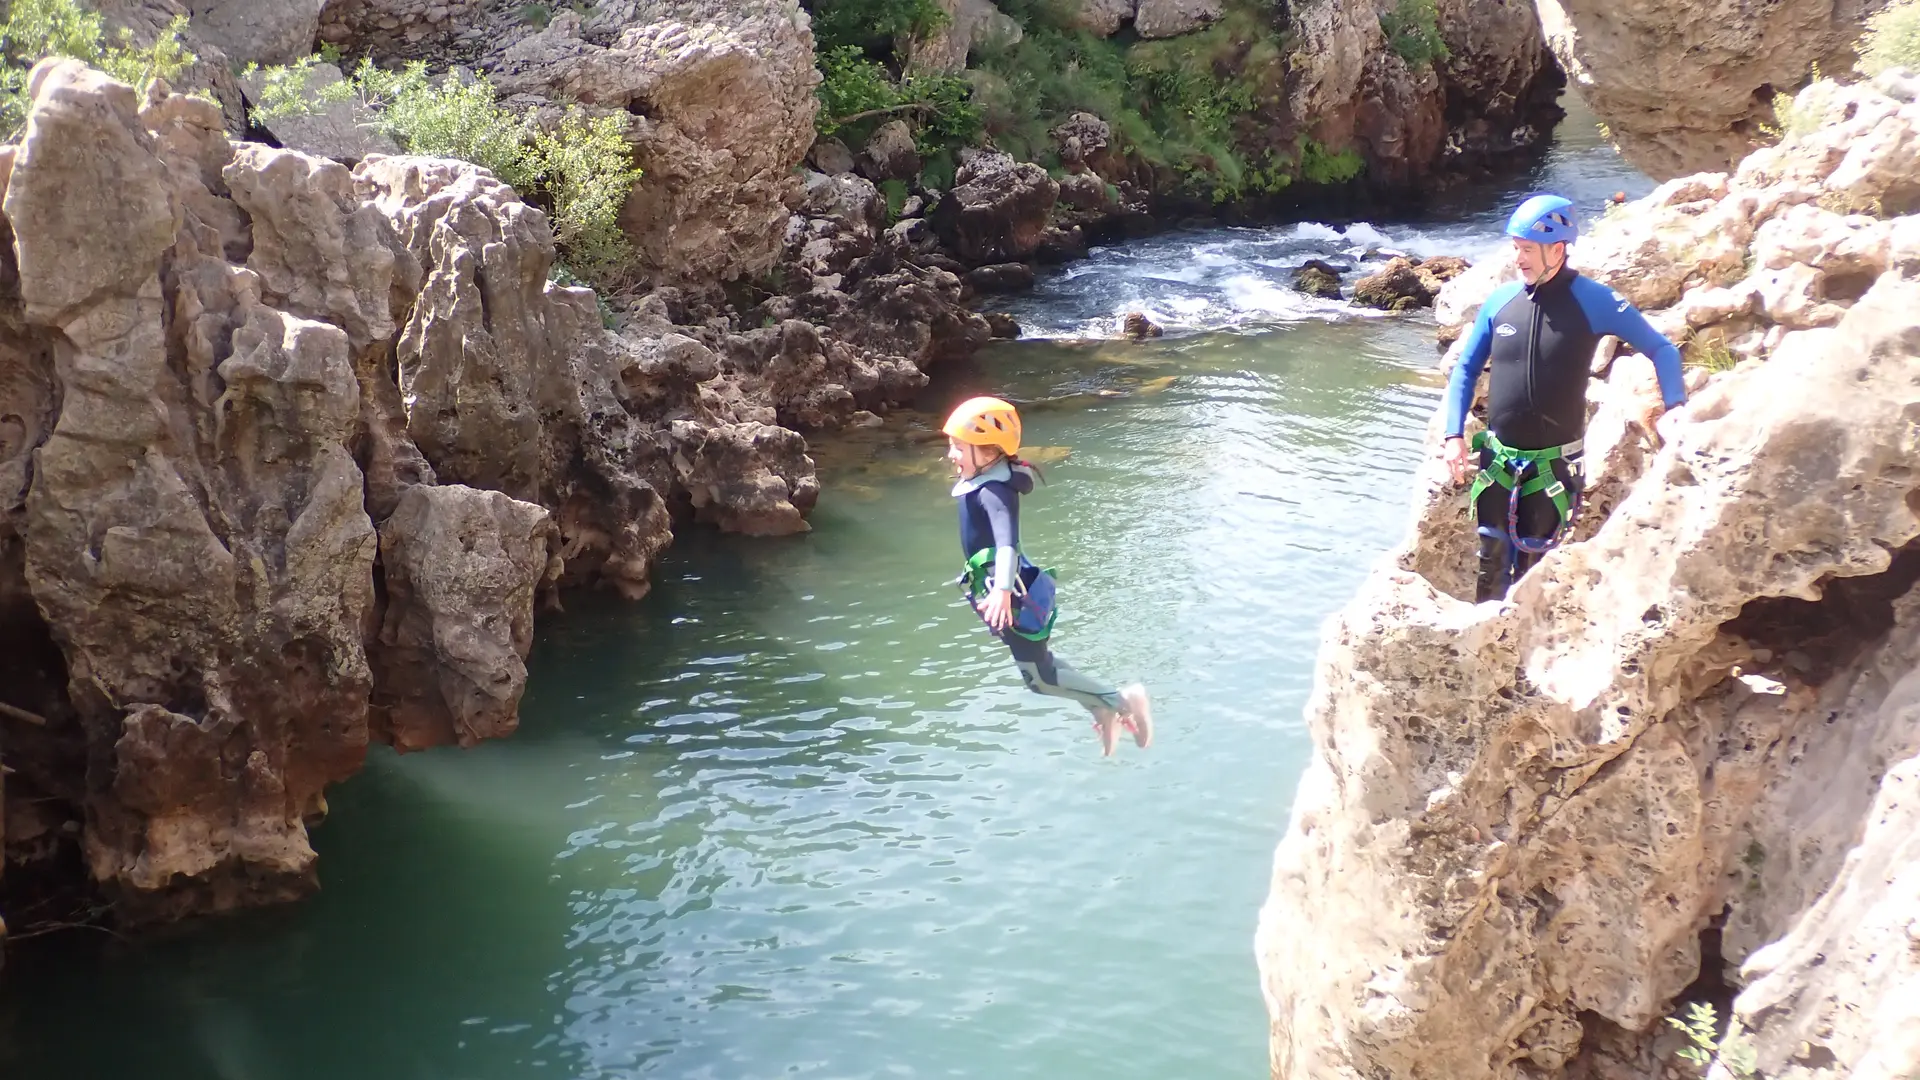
1011, 595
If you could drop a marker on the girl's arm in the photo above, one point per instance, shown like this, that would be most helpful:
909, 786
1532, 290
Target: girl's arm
1002, 505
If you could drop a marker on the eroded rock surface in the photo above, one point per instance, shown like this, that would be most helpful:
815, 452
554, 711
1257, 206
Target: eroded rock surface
1692, 723
291, 453
1637, 63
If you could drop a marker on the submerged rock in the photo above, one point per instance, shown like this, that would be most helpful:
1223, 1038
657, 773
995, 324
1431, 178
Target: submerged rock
1317, 278
1138, 327
1407, 283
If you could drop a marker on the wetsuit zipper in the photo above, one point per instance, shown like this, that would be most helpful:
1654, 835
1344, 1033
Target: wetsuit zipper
1533, 347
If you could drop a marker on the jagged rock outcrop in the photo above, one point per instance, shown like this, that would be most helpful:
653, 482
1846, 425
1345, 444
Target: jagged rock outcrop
1638, 64
1683, 750
968, 23
723, 108
289, 452
250, 32
1346, 87
997, 210
393, 28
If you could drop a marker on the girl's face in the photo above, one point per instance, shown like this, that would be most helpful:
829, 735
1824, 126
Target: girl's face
966, 458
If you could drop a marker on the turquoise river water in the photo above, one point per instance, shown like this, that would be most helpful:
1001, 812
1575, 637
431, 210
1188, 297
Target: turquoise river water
794, 814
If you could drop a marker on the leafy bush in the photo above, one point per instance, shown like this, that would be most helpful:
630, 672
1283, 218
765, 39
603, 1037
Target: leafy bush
1892, 38
1413, 30
864, 23
581, 171
36, 29
1735, 1051
855, 92
1320, 166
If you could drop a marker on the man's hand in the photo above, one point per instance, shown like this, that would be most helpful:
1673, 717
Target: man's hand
998, 610
1458, 461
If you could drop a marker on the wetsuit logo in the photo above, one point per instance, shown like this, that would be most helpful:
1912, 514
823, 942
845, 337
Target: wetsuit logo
1505, 330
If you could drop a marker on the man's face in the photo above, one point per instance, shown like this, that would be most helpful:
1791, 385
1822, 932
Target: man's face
1538, 260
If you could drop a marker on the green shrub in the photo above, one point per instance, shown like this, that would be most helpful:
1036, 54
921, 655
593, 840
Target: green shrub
1413, 30
1735, 1051
581, 171
1892, 38
1320, 166
865, 23
851, 84
36, 29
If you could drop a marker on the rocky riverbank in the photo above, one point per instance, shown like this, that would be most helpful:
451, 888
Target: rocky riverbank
1678, 764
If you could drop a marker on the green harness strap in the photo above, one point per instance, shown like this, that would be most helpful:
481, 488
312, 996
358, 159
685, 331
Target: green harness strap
1503, 471
980, 568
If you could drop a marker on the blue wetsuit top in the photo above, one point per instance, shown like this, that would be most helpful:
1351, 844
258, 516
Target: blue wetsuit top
1541, 341
990, 509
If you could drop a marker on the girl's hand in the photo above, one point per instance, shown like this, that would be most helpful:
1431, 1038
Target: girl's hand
998, 610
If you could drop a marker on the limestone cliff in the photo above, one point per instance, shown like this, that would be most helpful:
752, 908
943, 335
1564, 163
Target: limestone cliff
1679, 762
290, 454
1686, 87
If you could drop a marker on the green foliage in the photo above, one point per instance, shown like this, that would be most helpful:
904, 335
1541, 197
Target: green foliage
1187, 104
1735, 1051
866, 23
1413, 30
896, 193
1892, 38
585, 168
1200, 106
856, 92
581, 170
1320, 166
536, 15
36, 29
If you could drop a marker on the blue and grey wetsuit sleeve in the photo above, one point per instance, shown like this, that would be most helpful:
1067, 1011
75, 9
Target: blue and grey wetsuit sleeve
1610, 313
1003, 516
1474, 350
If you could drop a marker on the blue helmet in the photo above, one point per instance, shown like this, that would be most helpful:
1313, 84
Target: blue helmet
1545, 219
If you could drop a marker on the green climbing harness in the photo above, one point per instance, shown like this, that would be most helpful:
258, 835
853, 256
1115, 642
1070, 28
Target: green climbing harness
1034, 607
1509, 469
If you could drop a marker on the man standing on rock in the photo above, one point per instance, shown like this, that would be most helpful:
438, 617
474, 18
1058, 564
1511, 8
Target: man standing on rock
1540, 334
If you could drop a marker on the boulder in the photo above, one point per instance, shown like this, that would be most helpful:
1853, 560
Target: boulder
1001, 278
1104, 18
1406, 283
249, 32
830, 156
1317, 278
1138, 327
997, 210
891, 153
969, 22
1171, 18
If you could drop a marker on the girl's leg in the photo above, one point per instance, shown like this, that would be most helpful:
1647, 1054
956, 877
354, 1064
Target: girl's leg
1044, 673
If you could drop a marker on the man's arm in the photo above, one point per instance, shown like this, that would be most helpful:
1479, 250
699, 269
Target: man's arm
1610, 313
1474, 350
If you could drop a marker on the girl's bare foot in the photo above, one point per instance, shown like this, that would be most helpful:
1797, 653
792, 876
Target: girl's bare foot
1139, 714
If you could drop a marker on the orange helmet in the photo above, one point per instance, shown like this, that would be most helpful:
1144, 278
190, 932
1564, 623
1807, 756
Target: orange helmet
986, 421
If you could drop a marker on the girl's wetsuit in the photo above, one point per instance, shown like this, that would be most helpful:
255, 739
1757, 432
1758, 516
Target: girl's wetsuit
990, 520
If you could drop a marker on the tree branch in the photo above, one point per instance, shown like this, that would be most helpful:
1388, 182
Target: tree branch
911, 106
